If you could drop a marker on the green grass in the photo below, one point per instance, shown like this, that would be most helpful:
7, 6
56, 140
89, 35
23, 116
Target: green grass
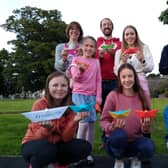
13, 126
16, 105
159, 130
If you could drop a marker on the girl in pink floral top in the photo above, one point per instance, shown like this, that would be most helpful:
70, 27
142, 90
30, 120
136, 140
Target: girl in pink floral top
86, 76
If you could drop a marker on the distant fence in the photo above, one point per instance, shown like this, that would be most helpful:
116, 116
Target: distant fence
24, 95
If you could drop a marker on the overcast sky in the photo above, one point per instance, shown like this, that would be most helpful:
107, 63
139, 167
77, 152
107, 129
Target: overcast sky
143, 14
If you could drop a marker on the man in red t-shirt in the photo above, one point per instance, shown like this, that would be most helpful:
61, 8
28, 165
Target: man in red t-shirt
106, 48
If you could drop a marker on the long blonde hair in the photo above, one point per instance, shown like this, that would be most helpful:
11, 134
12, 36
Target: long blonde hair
138, 42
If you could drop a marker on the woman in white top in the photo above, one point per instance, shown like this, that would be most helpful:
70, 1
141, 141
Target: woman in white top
135, 52
65, 52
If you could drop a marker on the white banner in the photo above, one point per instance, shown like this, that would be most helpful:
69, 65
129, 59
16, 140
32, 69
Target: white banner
47, 114
56, 113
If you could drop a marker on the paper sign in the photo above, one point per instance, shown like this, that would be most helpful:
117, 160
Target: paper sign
108, 46
146, 113
55, 113
82, 107
47, 114
71, 51
131, 51
120, 113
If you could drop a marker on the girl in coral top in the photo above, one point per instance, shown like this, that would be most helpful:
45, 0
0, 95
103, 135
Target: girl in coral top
53, 141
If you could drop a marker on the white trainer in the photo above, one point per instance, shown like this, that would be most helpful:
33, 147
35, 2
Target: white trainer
135, 163
119, 164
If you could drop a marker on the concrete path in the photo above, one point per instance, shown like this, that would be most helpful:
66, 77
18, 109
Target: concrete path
100, 162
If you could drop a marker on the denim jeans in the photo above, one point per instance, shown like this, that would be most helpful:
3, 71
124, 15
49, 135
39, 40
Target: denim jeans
117, 146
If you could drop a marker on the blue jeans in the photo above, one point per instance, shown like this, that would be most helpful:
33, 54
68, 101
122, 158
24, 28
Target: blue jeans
117, 146
107, 87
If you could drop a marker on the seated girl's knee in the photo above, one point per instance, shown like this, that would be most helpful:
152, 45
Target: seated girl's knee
118, 135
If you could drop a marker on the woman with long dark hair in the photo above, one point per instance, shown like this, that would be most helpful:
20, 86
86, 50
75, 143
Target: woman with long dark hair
53, 141
123, 137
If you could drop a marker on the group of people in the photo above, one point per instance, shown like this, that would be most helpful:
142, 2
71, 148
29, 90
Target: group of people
108, 73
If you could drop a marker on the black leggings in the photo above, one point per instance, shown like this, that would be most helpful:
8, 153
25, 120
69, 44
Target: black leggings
41, 152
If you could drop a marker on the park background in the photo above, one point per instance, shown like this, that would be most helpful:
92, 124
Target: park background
30, 34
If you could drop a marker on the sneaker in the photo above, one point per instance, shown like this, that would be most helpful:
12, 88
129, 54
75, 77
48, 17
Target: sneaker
135, 163
80, 163
90, 160
119, 164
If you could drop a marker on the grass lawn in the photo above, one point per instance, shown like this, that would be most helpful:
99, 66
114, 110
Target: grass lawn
13, 126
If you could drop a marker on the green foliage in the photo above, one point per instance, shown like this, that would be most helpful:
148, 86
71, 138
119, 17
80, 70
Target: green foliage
166, 92
164, 16
3, 61
162, 86
37, 33
158, 86
155, 93
153, 76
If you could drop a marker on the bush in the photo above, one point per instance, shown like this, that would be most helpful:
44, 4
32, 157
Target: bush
166, 92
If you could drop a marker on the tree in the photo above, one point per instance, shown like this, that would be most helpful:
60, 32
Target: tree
3, 64
164, 16
152, 75
37, 33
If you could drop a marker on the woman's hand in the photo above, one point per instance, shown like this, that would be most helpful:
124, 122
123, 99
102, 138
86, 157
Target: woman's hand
81, 115
118, 123
124, 57
46, 124
97, 107
64, 55
82, 67
139, 56
79, 51
146, 124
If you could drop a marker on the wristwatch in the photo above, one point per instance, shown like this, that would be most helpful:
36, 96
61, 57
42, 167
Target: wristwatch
143, 61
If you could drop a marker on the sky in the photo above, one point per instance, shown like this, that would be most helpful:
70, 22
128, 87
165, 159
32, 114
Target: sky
143, 14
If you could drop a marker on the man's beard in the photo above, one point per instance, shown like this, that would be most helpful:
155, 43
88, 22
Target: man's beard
107, 33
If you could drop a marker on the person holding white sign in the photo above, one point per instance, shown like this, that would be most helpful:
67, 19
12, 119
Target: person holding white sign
52, 141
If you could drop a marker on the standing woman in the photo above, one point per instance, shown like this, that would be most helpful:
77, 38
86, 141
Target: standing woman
53, 141
66, 51
136, 53
123, 137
